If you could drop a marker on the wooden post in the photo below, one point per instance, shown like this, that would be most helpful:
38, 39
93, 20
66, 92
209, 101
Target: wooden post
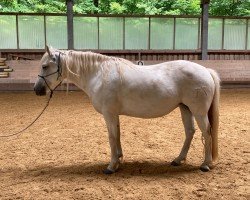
70, 27
204, 29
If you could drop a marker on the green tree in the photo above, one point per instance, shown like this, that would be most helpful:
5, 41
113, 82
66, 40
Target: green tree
151, 7
230, 8
185, 7
85, 7
33, 6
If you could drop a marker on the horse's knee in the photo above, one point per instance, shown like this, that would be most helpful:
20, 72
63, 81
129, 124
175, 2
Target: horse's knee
190, 133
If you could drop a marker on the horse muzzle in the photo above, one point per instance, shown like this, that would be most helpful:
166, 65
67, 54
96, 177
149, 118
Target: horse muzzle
40, 89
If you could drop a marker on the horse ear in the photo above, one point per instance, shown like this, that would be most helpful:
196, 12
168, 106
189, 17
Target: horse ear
48, 50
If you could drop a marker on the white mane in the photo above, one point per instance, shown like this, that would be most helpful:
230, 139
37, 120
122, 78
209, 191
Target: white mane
78, 62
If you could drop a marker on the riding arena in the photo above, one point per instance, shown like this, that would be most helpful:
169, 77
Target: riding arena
124, 106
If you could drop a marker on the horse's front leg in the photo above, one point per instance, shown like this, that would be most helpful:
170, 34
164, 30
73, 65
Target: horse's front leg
113, 125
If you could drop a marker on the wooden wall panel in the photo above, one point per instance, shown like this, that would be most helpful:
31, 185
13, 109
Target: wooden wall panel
145, 55
229, 70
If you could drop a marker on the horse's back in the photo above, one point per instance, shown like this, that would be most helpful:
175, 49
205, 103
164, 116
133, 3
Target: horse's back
180, 74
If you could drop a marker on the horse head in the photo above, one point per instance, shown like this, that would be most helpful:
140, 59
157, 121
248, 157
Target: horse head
50, 72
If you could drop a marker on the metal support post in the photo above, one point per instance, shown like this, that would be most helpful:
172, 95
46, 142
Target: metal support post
204, 29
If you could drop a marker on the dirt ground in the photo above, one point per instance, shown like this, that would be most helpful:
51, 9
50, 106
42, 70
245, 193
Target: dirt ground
63, 154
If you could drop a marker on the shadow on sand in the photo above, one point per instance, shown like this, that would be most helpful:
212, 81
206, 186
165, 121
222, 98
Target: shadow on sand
127, 169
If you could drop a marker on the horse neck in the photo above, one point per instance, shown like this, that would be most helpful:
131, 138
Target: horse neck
79, 68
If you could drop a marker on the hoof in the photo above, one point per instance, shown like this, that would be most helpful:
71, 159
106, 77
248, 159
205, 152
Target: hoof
108, 171
173, 163
205, 168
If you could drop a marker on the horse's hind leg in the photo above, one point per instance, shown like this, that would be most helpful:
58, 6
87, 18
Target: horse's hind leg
112, 122
188, 122
119, 147
204, 125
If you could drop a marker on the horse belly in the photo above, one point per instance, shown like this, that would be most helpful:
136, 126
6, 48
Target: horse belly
148, 107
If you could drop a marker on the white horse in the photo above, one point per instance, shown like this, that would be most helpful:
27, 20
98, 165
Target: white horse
116, 87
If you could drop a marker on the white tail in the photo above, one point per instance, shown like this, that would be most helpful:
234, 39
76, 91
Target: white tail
213, 114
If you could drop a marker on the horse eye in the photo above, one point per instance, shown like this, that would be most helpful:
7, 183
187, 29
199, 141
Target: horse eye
54, 59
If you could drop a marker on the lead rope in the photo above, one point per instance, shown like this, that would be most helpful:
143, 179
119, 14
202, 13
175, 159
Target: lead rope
19, 132
47, 104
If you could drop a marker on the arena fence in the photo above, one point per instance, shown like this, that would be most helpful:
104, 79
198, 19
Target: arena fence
116, 32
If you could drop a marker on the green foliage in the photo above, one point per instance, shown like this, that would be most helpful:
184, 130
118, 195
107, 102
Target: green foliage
33, 6
184, 7
148, 7
116, 8
230, 7
85, 7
